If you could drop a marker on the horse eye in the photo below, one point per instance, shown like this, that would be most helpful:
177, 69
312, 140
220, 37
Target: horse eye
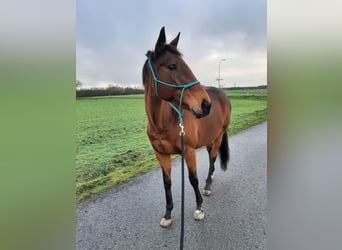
171, 66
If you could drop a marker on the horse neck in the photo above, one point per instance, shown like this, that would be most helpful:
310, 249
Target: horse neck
156, 109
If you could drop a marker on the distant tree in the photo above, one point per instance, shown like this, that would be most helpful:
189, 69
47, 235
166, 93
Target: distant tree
78, 84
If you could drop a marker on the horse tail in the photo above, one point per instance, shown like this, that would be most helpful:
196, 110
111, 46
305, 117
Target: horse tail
224, 151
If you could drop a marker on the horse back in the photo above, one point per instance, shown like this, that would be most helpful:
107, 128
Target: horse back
219, 99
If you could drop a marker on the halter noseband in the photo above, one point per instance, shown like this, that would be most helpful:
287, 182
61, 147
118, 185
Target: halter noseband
182, 87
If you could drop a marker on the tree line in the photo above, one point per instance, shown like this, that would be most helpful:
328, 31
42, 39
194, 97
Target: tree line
117, 90
108, 91
251, 87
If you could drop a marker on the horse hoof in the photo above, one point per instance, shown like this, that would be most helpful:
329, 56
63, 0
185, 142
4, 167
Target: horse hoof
198, 215
165, 222
206, 192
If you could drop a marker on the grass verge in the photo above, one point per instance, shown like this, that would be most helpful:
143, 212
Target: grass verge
118, 176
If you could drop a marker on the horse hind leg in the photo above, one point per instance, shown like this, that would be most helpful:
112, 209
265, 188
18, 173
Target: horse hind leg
212, 151
210, 177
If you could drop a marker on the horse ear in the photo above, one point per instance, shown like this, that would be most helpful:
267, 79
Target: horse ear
160, 42
175, 41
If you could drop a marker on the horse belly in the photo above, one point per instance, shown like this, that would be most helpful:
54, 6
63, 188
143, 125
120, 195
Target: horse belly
208, 133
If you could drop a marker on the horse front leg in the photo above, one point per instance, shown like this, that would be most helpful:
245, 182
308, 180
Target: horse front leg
190, 158
165, 164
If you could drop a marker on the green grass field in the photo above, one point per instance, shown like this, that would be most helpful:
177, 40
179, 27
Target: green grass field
112, 145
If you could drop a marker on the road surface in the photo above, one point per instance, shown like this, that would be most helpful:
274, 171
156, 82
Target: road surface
128, 216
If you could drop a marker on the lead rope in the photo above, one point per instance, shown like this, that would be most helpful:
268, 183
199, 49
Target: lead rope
182, 203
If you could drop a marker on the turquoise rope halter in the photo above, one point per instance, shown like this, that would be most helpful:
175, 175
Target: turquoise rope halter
182, 87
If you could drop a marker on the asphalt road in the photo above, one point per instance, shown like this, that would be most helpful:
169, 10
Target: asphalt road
128, 216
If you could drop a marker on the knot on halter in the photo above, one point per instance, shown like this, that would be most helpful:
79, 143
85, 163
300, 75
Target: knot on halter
181, 87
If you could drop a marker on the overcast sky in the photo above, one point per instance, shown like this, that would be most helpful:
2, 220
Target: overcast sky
114, 35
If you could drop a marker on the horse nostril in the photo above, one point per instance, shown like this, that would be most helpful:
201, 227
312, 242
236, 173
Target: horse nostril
205, 107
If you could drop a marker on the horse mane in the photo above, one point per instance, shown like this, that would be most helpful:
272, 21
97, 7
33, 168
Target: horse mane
153, 56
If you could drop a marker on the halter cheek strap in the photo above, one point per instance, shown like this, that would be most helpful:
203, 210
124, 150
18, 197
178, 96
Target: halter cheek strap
182, 87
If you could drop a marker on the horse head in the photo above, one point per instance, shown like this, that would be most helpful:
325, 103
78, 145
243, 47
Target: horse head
173, 79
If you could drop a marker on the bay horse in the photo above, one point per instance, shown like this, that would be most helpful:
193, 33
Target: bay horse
172, 92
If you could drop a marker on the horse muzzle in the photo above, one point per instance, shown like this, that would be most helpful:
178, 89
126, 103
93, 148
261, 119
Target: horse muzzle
205, 110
